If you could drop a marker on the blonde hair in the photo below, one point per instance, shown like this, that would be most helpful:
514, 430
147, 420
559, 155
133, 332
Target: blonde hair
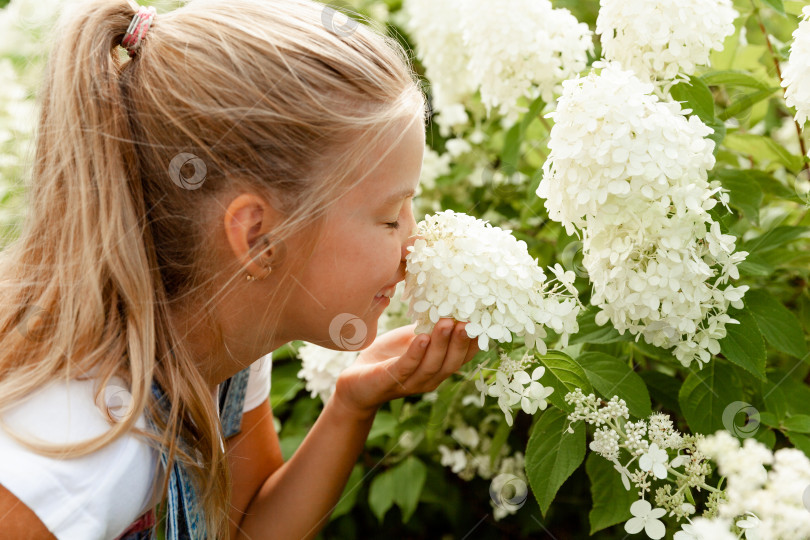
271, 99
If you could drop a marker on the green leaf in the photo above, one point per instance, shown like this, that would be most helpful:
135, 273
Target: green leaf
349, 496
798, 423
796, 394
286, 383
794, 7
381, 494
385, 423
590, 332
771, 185
734, 78
778, 325
611, 502
776, 5
802, 442
754, 266
774, 238
696, 96
401, 484
744, 192
718, 132
762, 148
564, 374
552, 454
743, 344
746, 102
766, 437
769, 419
610, 376
663, 389
498, 440
775, 400
705, 394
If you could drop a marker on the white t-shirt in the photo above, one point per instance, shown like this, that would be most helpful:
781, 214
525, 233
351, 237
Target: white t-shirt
96, 496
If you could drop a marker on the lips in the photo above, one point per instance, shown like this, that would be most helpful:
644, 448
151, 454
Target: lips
387, 293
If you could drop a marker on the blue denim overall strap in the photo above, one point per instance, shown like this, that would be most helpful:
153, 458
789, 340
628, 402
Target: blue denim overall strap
184, 519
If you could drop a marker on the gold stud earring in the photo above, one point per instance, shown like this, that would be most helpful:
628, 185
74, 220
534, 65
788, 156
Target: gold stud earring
251, 277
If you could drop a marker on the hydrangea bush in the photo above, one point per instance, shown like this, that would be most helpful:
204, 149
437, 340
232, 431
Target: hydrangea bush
655, 382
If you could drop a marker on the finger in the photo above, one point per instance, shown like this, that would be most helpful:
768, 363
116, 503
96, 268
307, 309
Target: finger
456, 351
403, 367
436, 351
472, 350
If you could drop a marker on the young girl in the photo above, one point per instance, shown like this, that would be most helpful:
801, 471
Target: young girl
208, 185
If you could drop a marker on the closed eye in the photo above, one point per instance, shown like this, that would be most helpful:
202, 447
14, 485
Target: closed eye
393, 225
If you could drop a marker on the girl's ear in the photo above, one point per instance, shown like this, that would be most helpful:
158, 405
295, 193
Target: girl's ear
249, 221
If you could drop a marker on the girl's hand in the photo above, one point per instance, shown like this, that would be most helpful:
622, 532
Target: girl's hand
397, 365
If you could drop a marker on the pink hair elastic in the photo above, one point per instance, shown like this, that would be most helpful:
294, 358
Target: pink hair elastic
137, 29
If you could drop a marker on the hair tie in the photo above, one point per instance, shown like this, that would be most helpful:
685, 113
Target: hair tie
137, 29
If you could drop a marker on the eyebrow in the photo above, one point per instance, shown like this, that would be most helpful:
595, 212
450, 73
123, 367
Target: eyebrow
398, 196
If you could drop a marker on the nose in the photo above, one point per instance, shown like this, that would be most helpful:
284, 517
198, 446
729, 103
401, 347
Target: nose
410, 235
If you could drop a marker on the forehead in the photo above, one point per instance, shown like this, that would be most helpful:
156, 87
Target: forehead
399, 169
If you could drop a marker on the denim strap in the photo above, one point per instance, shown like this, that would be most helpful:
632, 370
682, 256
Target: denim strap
184, 519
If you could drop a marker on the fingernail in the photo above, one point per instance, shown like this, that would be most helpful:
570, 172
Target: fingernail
424, 342
447, 330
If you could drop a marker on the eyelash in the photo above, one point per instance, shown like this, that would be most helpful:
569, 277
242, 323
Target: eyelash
393, 225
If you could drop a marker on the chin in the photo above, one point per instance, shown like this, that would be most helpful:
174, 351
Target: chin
348, 332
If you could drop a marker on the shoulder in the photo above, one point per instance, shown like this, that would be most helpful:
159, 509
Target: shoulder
258, 386
93, 496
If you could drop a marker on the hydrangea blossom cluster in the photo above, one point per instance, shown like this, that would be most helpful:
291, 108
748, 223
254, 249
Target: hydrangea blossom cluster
320, 368
660, 39
467, 454
796, 74
766, 502
513, 386
630, 172
646, 452
506, 49
464, 268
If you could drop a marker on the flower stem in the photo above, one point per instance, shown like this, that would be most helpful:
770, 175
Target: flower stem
779, 74
701, 485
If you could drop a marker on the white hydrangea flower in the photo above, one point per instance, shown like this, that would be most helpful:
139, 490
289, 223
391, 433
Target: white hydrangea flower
654, 460
606, 443
796, 74
320, 368
646, 518
464, 268
712, 529
631, 171
660, 39
466, 435
433, 166
455, 459
507, 50
614, 141
772, 494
